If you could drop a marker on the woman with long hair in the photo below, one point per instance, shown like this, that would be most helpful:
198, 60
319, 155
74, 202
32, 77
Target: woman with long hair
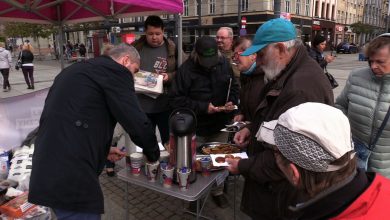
26, 56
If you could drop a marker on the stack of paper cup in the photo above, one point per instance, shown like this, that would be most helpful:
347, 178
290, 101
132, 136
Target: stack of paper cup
136, 163
183, 177
152, 169
206, 165
167, 175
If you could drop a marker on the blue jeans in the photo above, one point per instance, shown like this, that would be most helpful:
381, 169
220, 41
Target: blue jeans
362, 153
69, 215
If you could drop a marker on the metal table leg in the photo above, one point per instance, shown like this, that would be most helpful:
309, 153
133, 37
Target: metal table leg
127, 201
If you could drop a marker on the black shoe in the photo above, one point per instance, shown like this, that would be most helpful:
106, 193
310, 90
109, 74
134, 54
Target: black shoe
29, 87
221, 201
32, 87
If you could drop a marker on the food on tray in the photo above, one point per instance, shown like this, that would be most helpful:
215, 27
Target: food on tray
229, 108
221, 149
229, 156
220, 160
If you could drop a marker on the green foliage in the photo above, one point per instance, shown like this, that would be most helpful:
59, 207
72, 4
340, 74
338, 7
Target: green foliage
2, 39
361, 28
28, 30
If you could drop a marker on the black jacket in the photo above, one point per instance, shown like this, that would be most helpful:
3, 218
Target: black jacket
194, 88
26, 56
76, 127
317, 56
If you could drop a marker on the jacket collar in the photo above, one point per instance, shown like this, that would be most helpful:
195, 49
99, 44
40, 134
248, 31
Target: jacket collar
337, 201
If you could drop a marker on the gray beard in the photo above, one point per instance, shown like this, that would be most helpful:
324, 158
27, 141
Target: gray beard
272, 72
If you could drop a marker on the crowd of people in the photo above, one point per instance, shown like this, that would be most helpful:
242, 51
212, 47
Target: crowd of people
310, 157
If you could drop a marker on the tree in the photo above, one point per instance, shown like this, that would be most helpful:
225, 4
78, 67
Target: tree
24, 30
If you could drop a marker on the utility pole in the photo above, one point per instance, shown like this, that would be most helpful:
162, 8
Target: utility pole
199, 9
388, 17
345, 23
277, 6
239, 14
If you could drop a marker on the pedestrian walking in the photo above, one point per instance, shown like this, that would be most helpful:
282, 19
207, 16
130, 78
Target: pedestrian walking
83, 105
365, 100
26, 56
5, 66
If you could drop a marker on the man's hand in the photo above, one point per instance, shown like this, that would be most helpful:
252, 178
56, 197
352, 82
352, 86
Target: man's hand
165, 77
241, 138
115, 154
233, 165
212, 109
228, 107
238, 118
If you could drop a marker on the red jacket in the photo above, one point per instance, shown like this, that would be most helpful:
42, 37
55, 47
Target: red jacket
372, 204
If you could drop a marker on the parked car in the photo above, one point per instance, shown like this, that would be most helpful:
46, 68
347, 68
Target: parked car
346, 48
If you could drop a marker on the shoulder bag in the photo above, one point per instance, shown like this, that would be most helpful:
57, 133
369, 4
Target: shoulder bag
18, 64
331, 79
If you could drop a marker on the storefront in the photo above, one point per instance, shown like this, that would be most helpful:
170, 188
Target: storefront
325, 28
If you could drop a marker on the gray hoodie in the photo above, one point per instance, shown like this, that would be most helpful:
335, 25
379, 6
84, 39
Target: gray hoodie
5, 58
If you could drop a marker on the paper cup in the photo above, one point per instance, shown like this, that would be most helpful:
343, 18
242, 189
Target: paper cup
164, 157
136, 163
183, 177
206, 165
167, 176
152, 169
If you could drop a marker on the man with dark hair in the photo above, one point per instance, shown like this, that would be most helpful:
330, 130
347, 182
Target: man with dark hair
314, 150
292, 78
158, 55
82, 107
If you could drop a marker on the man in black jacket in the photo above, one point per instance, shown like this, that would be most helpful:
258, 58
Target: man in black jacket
76, 127
205, 83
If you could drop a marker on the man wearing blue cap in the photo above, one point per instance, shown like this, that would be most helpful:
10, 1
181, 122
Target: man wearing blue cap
292, 78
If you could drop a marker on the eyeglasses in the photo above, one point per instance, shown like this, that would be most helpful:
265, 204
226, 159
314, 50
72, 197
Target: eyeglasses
221, 38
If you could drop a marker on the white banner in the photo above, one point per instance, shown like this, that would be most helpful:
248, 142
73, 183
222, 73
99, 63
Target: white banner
19, 115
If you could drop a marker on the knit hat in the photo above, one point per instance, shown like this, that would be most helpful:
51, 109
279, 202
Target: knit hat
310, 135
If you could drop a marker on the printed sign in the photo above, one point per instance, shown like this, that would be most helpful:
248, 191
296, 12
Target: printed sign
19, 115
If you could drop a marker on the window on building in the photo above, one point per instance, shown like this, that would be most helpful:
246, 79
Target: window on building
288, 6
244, 5
196, 7
212, 7
307, 8
316, 9
332, 13
185, 7
323, 11
298, 7
327, 12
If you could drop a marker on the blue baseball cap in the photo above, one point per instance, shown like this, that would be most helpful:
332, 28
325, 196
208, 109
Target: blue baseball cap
272, 31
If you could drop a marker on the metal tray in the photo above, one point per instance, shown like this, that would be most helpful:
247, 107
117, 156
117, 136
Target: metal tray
201, 148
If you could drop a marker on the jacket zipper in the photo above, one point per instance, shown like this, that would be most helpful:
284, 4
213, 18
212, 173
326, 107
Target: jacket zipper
374, 116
